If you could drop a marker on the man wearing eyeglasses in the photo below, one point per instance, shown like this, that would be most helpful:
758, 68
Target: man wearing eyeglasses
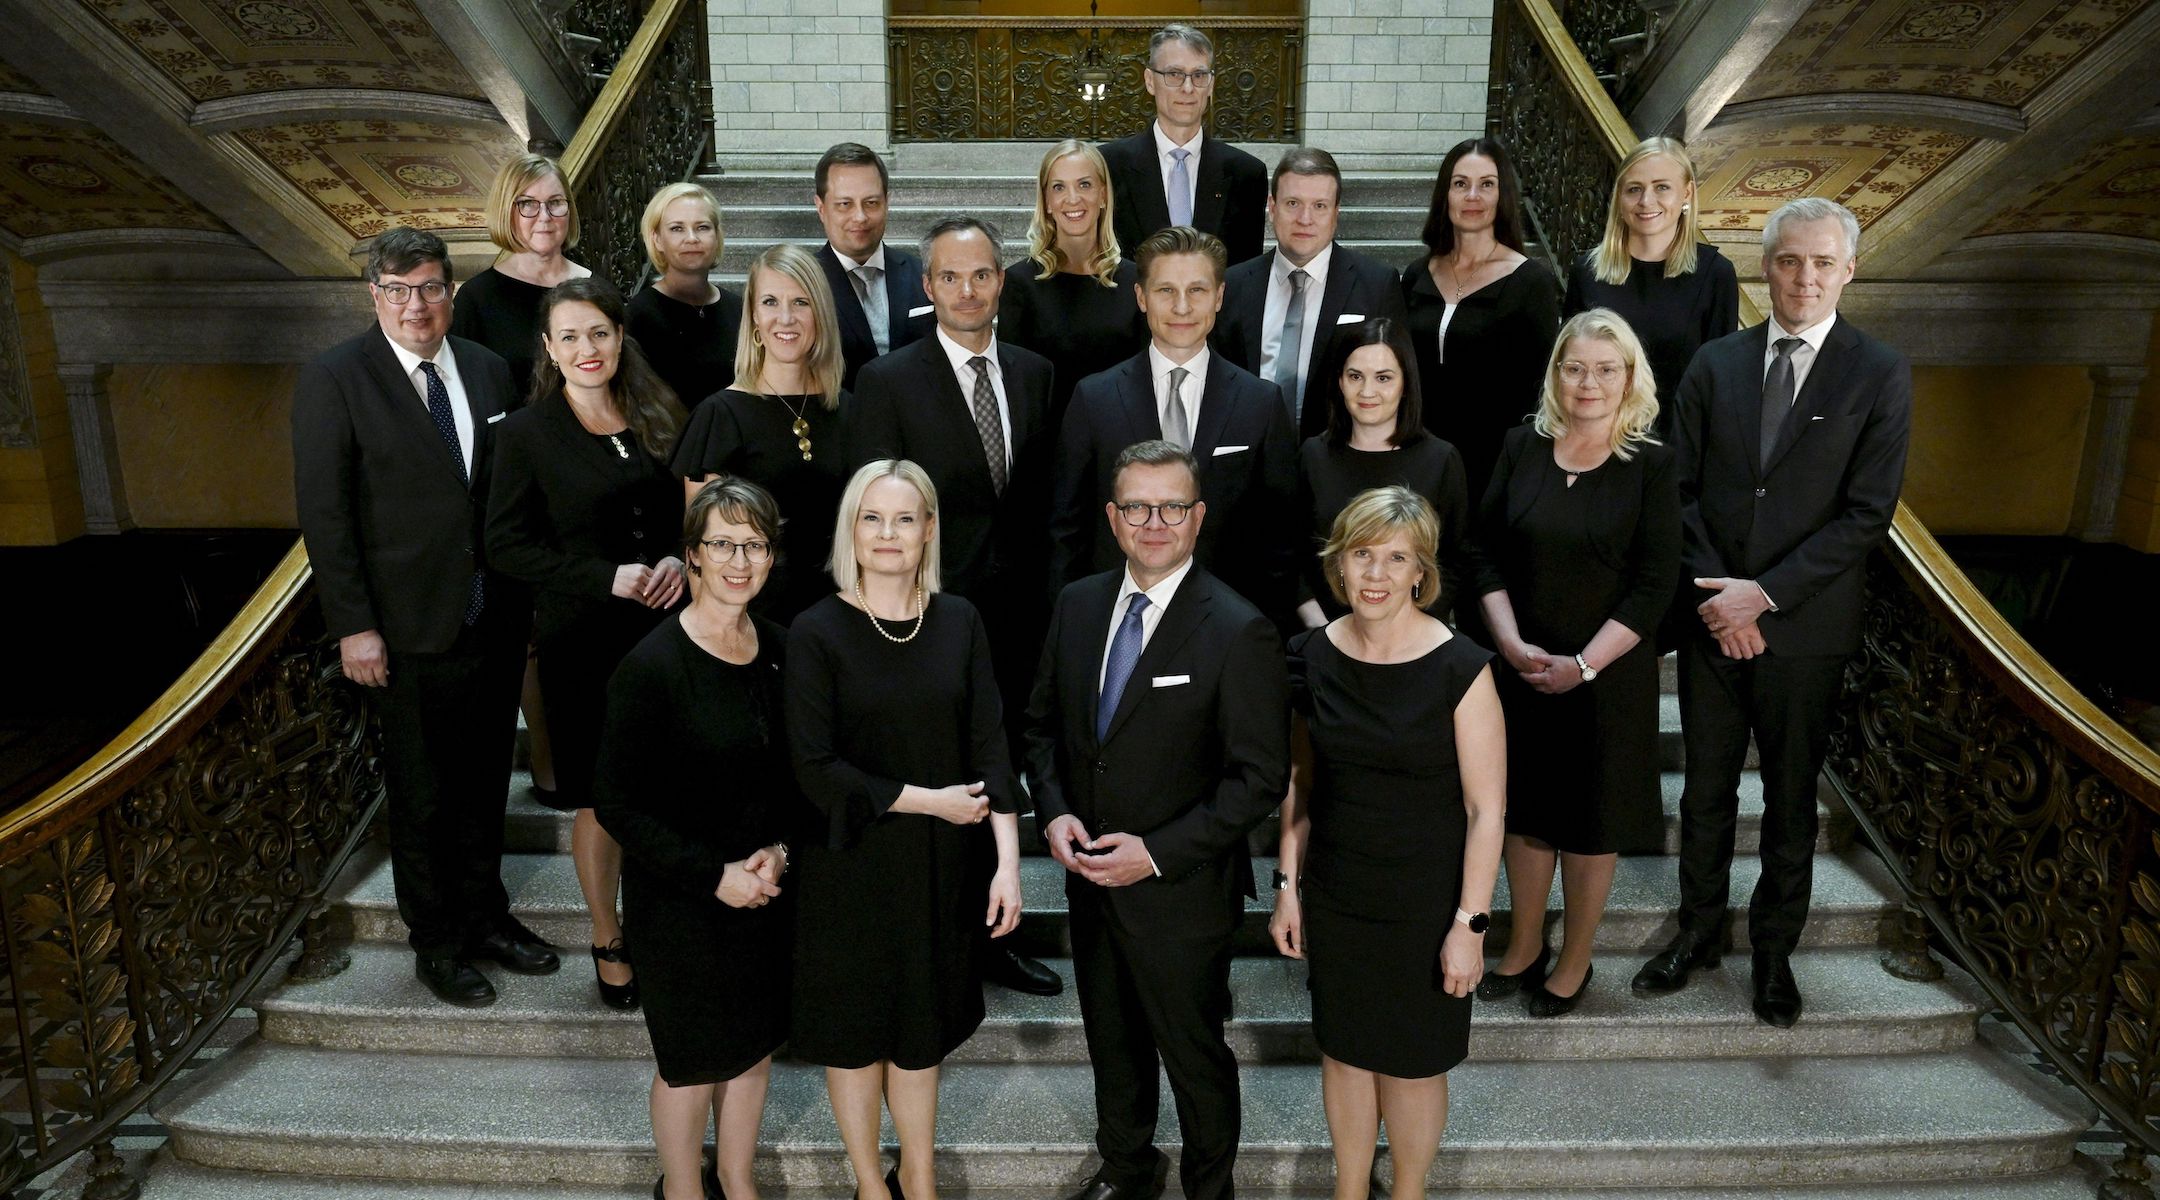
1174, 174
392, 433
1158, 736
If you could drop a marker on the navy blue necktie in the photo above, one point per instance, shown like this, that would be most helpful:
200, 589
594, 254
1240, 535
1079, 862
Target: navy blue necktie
1124, 656
438, 407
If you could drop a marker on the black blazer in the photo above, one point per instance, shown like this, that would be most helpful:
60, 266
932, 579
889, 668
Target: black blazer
564, 512
392, 532
1803, 527
903, 295
909, 404
1357, 290
1229, 195
1197, 754
1248, 477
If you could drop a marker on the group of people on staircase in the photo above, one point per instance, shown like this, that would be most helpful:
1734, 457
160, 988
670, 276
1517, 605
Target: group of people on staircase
1152, 533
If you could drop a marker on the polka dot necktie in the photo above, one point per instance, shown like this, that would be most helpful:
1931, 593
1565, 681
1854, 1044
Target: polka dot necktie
438, 407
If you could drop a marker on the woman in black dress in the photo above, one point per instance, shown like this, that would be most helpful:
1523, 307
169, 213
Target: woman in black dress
585, 509
1481, 314
1375, 437
686, 325
694, 782
1390, 838
894, 717
1074, 298
1578, 544
1674, 290
782, 424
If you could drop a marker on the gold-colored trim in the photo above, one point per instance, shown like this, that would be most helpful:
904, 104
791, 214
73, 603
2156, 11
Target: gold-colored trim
582, 156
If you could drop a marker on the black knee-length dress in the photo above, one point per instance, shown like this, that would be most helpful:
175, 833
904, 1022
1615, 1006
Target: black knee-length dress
1383, 863
890, 905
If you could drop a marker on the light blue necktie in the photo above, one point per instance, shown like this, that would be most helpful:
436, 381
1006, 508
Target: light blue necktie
1289, 347
1180, 189
1124, 656
870, 289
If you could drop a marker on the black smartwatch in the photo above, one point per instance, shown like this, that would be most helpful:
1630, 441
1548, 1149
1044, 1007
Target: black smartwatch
1282, 881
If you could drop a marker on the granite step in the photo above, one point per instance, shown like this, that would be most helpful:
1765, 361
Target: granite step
1734, 1123
795, 218
1852, 893
1015, 186
904, 228
1854, 1007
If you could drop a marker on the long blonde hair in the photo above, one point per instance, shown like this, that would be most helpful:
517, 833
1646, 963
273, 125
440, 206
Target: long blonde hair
825, 365
845, 570
1042, 229
1611, 263
1638, 408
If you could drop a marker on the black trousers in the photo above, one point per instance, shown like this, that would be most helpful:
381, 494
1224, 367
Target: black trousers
1152, 1003
1786, 702
449, 721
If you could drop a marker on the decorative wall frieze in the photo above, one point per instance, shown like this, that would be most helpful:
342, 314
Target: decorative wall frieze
266, 321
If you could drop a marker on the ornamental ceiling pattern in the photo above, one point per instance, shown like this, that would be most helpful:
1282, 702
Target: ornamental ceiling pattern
369, 175
215, 48
1994, 51
56, 179
1748, 171
2114, 188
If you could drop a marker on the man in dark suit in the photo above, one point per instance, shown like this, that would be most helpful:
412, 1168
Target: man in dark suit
1282, 311
1178, 391
1791, 444
877, 289
1157, 737
391, 441
974, 413
1173, 174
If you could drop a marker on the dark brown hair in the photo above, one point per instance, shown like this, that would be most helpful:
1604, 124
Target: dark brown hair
648, 407
1410, 414
1307, 160
850, 154
1439, 235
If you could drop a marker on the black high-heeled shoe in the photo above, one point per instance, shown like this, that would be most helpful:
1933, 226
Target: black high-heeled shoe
1544, 1004
619, 996
1496, 986
892, 1183
711, 1180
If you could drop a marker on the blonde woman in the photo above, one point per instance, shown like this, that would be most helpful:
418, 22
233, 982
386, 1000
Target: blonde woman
1071, 299
686, 325
898, 740
1653, 268
532, 220
781, 423
1578, 545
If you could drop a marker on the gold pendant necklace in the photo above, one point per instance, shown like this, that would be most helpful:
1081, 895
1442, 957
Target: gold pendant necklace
801, 427
920, 610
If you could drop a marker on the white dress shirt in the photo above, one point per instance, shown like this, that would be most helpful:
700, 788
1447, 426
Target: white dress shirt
850, 266
960, 355
445, 366
1159, 368
1803, 356
1163, 147
1159, 597
1278, 311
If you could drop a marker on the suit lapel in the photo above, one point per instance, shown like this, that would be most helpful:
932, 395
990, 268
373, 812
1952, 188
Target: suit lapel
1824, 379
1188, 609
903, 291
1017, 407
1333, 299
853, 323
485, 408
1748, 400
1208, 192
956, 411
409, 411
583, 446
1251, 316
1090, 633
1154, 202
1215, 401
1143, 422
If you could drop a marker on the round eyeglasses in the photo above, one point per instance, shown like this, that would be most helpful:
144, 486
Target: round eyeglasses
1173, 513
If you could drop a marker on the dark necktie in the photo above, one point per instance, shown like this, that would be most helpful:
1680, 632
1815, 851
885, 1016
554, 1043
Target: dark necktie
438, 407
1124, 656
1289, 347
1777, 396
987, 423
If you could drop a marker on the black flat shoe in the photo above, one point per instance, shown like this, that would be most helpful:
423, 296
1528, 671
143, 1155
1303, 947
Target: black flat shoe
454, 981
1009, 969
619, 996
1545, 1004
1496, 986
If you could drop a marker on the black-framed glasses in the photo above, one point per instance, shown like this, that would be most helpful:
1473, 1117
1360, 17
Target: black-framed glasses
1179, 79
434, 291
722, 550
528, 207
1173, 513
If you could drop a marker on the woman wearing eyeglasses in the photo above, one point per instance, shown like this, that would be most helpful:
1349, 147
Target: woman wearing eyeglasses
532, 221
707, 904
1577, 548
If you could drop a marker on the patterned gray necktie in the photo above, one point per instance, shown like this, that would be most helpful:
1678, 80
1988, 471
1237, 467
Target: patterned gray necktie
1777, 396
987, 423
1291, 346
1176, 426
871, 292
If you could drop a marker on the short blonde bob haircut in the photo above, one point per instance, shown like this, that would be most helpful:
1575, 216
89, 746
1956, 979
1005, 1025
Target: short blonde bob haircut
1373, 517
654, 208
1611, 261
1638, 408
825, 365
517, 175
845, 570
1042, 227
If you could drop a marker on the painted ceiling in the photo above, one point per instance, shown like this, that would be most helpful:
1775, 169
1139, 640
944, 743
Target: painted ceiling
217, 48
2113, 189
1748, 171
69, 179
369, 175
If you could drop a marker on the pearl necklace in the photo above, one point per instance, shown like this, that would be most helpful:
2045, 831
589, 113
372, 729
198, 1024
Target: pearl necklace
921, 610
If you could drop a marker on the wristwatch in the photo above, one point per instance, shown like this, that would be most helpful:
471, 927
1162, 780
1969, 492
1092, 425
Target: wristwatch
1589, 672
1282, 881
1478, 922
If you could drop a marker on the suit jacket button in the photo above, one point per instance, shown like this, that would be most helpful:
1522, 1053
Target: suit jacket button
639, 534
1099, 768
1761, 492
635, 511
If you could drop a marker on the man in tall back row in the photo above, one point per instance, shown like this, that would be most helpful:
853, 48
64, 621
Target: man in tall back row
1171, 173
877, 289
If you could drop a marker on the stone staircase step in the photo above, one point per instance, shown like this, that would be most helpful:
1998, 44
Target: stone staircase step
1363, 191
797, 221
1851, 894
1853, 1007
1741, 1123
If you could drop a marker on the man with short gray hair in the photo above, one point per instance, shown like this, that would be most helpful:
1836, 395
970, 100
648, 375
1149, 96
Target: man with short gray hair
1171, 173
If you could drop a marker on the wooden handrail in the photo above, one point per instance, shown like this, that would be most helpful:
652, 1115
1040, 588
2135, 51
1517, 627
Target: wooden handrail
582, 156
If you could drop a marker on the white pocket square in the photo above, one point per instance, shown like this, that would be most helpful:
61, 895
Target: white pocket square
924, 311
1222, 450
1350, 319
497, 417
1814, 418
1171, 680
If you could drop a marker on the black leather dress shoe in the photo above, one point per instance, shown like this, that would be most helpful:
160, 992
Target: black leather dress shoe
454, 982
1103, 1189
1687, 952
518, 950
1007, 968
1777, 993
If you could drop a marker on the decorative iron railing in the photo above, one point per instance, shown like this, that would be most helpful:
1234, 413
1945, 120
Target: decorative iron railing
1015, 78
1539, 105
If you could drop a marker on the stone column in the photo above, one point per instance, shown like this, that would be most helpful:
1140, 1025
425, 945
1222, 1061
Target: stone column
2107, 452
1395, 78
789, 86
97, 452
